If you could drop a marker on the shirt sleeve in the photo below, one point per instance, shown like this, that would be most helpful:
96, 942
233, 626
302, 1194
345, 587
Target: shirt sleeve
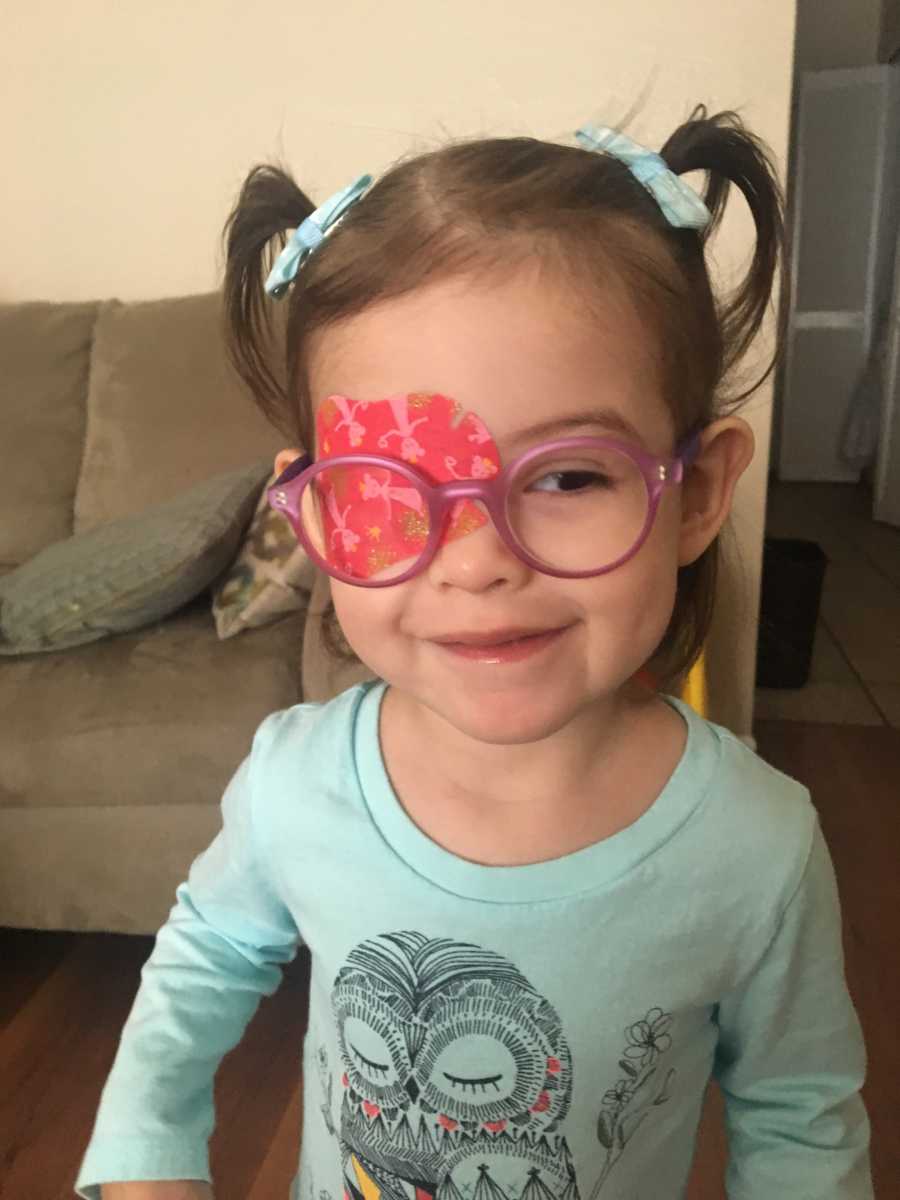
791, 1058
220, 951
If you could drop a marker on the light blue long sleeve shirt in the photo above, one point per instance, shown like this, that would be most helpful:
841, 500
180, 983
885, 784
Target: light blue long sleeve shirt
537, 1032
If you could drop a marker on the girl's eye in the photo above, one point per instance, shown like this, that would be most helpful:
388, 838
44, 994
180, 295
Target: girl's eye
367, 1062
474, 1083
571, 481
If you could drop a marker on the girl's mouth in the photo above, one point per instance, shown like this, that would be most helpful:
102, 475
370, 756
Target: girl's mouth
501, 645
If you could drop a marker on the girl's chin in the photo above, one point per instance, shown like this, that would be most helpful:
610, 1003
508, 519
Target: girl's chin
505, 718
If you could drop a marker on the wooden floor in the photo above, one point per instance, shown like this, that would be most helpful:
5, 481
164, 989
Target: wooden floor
65, 996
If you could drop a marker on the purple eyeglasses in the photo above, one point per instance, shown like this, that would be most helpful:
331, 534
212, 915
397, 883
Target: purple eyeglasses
375, 521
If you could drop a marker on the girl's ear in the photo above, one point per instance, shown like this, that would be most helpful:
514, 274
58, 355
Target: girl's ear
726, 448
284, 458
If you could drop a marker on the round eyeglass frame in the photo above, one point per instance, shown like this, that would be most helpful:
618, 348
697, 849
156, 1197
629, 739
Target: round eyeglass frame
286, 493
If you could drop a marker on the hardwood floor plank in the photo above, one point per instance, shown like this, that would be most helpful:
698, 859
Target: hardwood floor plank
254, 1091
853, 774
278, 1167
27, 957
707, 1181
54, 1054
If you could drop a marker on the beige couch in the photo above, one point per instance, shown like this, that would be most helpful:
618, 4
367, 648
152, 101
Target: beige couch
114, 754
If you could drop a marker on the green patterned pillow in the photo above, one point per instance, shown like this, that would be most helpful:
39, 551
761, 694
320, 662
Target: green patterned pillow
130, 572
272, 575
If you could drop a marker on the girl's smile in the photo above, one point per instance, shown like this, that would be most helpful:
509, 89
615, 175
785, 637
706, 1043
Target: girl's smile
500, 645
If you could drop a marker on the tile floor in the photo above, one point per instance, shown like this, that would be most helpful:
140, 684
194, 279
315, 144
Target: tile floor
855, 673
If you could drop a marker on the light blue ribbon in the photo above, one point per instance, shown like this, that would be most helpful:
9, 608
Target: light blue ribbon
680, 204
311, 233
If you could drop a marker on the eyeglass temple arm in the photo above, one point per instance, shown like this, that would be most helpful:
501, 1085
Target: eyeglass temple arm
689, 447
297, 467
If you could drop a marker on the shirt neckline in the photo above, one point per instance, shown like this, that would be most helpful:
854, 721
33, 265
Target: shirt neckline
588, 868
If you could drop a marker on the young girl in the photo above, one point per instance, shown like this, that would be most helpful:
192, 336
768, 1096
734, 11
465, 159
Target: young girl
544, 902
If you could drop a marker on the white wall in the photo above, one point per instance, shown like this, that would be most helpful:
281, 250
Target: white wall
127, 128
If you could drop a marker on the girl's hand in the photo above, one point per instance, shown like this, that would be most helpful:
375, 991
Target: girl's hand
190, 1189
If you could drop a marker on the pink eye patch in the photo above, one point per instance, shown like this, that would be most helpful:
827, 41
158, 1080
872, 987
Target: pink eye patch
371, 517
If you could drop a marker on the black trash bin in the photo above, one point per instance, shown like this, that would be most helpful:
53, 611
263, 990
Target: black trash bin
792, 574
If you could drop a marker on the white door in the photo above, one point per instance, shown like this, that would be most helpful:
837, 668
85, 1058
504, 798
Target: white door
846, 134
887, 473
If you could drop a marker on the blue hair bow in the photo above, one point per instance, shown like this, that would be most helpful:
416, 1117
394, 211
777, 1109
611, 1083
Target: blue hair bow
307, 237
680, 204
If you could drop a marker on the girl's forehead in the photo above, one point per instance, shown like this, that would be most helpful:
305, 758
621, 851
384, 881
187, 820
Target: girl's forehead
520, 353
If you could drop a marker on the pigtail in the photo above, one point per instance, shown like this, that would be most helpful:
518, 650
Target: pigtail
270, 203
729, 153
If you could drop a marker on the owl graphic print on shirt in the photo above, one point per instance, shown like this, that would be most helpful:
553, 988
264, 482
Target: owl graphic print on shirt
456, 1074
456, 1078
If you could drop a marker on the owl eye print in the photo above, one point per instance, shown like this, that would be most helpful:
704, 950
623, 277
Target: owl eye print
487, 1058
375, 1057
456, 1074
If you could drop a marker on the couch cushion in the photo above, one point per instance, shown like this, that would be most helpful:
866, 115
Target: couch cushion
99, 869
165, 409
159, 717
45, 351
128, 573
271, 574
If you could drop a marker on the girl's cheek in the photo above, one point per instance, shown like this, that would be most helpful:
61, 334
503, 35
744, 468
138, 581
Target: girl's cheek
350, 606
634, 603
366, 617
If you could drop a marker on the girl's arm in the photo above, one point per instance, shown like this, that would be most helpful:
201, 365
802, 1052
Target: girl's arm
220, 951
791, 1059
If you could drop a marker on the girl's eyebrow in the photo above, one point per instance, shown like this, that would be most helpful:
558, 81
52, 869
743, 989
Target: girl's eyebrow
607, 418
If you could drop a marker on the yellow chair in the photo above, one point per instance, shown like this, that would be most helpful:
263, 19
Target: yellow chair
693, 691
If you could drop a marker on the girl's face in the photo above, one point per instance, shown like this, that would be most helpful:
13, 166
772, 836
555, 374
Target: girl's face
521, 353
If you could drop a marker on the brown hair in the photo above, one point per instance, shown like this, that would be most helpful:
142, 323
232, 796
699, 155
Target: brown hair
483, 206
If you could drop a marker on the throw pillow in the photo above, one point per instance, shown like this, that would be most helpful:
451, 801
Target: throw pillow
272, 574
129, 572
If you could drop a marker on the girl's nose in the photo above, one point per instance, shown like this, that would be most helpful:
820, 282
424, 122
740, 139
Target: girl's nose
476, 562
